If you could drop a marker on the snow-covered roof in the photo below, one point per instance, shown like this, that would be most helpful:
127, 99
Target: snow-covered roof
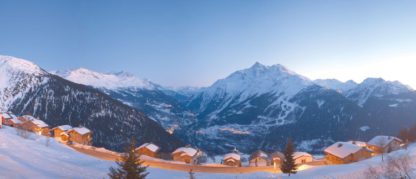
186, 150
260, 154
382, 141
342, 149
301, 154
279, 155
232, 155
359, 143
6, 115
150, 146
29, 117
64, 127
81, 130
16, 121
39, 123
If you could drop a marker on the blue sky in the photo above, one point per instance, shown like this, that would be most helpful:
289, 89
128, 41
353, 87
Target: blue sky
194, 43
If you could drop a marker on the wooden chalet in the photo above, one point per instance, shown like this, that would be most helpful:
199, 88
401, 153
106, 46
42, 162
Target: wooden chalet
80, 135
382, 144
61, 133
345, 152
259, 159
148, 149
302, 158
35, 125
277, 158
185, 154
232, 159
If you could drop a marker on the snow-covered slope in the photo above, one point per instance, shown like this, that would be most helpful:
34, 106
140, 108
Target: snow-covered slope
376, 87
336, 85
28, 89
16, 77
105, 80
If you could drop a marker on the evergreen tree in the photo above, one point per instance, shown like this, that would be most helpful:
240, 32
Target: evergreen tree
130, 166
191, 174
288, 166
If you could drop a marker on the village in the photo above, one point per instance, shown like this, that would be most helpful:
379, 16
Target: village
189, 158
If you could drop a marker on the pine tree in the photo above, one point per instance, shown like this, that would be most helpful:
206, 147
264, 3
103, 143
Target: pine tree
130, 166
191, 174
288, 166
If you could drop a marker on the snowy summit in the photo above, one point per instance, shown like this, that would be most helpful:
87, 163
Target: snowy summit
105, 80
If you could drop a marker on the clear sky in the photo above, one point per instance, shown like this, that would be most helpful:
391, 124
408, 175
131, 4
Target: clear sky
194, 43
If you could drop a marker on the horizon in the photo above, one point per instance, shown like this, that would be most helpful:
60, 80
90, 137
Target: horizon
56, 72
194, 44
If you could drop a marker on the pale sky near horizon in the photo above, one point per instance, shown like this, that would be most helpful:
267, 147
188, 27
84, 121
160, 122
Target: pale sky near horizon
194, 43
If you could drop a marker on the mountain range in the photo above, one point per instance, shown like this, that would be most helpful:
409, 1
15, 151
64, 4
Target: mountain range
25, 88
254, 108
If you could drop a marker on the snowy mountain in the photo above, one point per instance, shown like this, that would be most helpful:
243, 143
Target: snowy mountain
105, 80
336, 85
260, 107
159, 103
376, 87
28, 89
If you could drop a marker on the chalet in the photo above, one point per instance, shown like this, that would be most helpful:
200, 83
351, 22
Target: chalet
232, 159
186, 154
9, 119
382, 144
148, 149
61, 133
345, 152
302, 158
80, 135
35, 125
277, 158
259, 159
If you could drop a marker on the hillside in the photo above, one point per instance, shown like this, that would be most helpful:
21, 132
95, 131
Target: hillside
32, 158
26, 88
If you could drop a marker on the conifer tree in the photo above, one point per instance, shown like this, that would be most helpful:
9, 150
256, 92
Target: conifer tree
130, 166
288, 166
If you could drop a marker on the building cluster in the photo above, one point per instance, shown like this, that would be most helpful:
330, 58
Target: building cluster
354, 151
337, 153
64, 133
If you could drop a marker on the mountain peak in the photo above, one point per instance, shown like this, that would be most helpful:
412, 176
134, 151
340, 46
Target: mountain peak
10, 63
105, 80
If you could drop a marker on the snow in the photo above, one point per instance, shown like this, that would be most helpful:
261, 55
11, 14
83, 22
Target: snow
359, 143
65, 127
393, 105
232, 155
39, 123
105, 80
81, 130
336, 85
9, 64
384, 140
31, 158
365, 128
150, 146
301, 154
376, 87
186, 150
342, 149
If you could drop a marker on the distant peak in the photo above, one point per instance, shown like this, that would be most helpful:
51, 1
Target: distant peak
257, 65
14, 63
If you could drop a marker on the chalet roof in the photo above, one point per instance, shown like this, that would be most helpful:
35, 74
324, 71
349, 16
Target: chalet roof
64, 127
342, 149
259, 154
39, 123
29, 117
382, 141
186, 150
232, 155
152, 147
277, 154
301, 154
359, 143
16, 121
6, 115
81, 130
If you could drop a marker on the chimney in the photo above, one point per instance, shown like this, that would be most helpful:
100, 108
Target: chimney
339, 145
